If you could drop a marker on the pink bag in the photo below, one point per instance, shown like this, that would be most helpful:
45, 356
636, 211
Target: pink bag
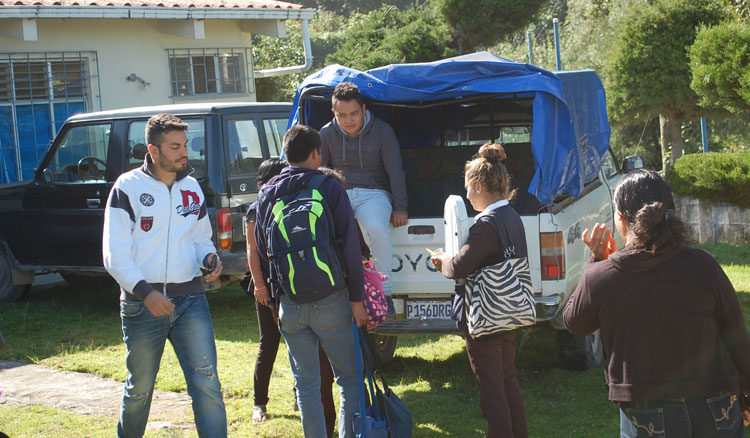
374, 296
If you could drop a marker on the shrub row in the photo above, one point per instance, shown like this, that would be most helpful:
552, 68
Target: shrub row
717, 177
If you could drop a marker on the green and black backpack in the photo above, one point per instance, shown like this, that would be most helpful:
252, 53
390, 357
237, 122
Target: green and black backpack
302, 248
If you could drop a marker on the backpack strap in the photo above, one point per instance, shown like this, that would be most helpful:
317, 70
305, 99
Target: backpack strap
503, 234
315, 181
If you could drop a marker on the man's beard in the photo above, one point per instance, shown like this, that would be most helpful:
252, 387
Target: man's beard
172, 166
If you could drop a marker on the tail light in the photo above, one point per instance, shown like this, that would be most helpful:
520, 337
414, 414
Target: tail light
224, 228
552, 255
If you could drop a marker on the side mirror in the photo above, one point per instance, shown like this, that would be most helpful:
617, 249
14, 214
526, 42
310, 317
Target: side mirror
633, 162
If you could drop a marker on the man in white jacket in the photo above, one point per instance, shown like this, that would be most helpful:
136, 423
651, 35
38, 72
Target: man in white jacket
157, 237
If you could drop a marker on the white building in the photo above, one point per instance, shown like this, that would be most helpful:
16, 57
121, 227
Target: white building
62, 57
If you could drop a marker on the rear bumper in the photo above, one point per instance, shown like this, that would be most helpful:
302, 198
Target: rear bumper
234, 264
403, 326
547, 307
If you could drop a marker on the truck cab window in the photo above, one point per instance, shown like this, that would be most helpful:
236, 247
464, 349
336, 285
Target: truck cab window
81, 155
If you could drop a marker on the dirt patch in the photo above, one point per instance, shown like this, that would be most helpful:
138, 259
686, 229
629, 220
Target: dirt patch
85, 394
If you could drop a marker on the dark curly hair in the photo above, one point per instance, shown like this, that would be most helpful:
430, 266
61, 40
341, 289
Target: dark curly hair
159, 125
645, 199
270, 168
345, 92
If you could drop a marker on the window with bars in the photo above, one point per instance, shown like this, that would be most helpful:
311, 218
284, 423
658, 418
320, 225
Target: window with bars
208, 71
38, 91
27, 80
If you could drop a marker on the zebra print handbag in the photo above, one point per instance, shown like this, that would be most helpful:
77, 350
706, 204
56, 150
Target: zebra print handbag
499, 298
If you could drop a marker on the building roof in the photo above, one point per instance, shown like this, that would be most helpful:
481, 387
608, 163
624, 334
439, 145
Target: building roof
245, 4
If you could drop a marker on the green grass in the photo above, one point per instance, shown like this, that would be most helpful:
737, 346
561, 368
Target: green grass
69, 330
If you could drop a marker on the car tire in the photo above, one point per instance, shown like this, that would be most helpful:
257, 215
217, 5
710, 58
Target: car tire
88, 282
579, 353
10, 292
385, 347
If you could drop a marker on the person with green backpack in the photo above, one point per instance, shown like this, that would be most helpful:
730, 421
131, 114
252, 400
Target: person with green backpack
307, 236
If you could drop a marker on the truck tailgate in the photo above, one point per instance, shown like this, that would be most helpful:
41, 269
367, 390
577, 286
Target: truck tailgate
413, 273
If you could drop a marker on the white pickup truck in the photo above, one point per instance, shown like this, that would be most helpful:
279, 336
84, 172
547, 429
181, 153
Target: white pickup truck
556, 135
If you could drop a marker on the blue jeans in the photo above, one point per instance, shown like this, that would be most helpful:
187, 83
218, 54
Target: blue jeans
327, 322
372, 208
716, 416
191, 333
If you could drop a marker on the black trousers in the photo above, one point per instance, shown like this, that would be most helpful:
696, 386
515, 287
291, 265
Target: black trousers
269, 346
493, 364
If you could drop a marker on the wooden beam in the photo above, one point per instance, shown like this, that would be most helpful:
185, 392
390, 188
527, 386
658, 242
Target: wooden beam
192, 29
23, 29
274, 28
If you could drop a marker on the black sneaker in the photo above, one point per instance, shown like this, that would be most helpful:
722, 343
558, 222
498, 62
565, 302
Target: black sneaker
391, 308
259, 414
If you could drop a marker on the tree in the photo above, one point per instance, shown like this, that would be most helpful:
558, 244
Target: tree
648, 70
326, 33
271, 52
486, 22
347, 7
720, 65
391, 36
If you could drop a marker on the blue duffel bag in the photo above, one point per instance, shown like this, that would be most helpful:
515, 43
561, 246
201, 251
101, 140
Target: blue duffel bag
387, 416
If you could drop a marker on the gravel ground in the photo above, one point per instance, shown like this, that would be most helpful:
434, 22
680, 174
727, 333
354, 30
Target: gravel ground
85, 394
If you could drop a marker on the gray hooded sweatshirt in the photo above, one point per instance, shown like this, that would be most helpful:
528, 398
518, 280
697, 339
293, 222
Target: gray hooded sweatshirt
370, 160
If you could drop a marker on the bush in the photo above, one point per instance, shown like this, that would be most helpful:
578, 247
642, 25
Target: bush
717, 177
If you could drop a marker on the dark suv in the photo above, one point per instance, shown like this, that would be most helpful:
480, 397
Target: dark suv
53, 223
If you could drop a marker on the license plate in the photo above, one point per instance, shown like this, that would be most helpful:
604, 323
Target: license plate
430, 309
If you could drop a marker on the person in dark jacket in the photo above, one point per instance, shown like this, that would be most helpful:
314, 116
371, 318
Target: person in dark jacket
492, 357
265, 309
327, 321
676, 348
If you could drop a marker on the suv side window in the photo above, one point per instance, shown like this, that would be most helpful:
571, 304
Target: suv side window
275, 130
136, 146
81, 155
245, 152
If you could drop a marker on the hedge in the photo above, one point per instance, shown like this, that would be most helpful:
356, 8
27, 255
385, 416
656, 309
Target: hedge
717, 177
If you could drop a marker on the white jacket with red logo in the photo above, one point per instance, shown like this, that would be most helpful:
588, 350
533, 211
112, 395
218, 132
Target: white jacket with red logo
154, 234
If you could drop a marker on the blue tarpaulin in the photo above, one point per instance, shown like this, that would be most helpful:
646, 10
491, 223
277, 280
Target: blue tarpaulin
570, 131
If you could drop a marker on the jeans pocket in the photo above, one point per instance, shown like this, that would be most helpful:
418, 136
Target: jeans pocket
646, 422
131, 309
332, 314
725, 409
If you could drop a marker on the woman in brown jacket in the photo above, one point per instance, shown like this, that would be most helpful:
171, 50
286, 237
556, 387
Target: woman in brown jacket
492, 356
677, 351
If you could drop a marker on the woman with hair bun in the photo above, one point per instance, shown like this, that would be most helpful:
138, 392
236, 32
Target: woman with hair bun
676, 348
492, 356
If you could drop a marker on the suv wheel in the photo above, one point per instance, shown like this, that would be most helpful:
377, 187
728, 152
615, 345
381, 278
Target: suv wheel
10, 292
87, 282
579, 353
385, 347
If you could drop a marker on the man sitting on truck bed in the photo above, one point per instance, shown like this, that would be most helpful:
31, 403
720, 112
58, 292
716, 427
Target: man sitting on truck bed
366, 151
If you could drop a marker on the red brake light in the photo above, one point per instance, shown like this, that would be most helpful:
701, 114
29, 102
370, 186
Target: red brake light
552, 251
224, 228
